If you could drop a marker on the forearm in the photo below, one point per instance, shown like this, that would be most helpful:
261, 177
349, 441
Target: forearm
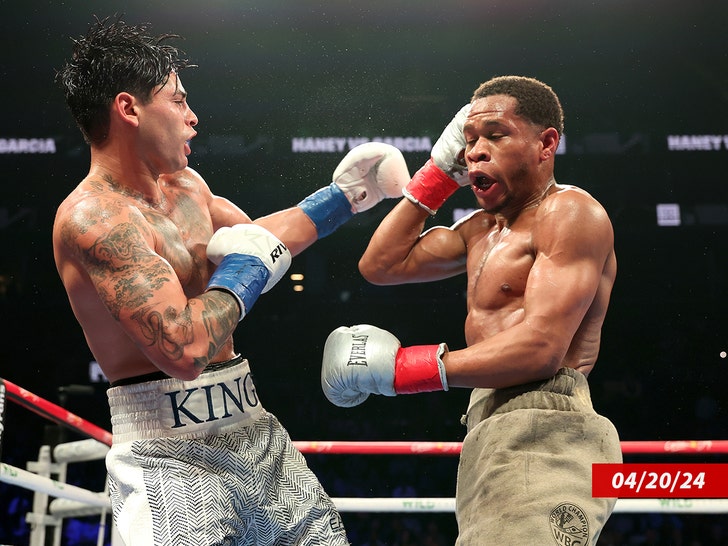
512, 357
369, 173
291, 226
361, 360
182, 336
250, 260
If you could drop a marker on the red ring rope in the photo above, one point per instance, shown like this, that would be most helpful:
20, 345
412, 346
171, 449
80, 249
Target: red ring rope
63, 417
55, 413
453, 448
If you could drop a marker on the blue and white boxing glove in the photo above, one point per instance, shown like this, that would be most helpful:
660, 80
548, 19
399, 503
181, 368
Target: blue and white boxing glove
369, 173
250, 261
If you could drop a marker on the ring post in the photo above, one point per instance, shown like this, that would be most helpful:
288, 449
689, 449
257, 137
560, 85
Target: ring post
2, 414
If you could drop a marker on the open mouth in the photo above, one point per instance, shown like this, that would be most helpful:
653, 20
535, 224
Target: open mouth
482, 182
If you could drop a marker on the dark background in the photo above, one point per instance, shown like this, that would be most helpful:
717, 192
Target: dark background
628, 74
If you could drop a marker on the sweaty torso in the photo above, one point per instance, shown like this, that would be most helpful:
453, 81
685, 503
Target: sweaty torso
499, 261
177, 228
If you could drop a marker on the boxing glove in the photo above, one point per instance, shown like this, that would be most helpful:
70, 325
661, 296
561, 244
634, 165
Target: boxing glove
250, 261
369, 173
445, 171
362, 360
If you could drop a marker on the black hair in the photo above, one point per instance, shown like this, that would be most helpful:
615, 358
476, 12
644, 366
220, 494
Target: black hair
114, 57
537, 102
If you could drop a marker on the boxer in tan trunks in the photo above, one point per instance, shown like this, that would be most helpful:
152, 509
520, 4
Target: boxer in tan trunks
540, 264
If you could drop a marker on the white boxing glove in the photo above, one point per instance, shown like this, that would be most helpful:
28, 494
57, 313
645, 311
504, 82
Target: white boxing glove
369, 173
445, 171
362, 360
447, 153
250, 260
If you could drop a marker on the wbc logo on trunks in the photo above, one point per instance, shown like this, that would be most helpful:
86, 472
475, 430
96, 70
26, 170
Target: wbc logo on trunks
569, 525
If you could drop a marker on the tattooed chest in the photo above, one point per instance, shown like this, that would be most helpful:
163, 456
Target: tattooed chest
182, 242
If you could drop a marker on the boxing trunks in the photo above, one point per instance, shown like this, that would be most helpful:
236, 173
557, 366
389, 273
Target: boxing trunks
524, 474
201, 462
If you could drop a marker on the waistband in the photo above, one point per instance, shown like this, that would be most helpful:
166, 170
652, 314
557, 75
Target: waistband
161, 375
567, 390
219, 400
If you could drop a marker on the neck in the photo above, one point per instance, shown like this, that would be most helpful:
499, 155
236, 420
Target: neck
126, 175
509, 214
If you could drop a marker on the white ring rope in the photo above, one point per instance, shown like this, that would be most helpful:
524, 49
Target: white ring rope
67, 508
70, 501
79, 451
445, 504
23, 478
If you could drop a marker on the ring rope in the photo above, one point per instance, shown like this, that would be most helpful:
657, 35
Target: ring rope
447, 504
55, 413
28, 480
693, 447
80, 451
61, 507
63, 417
71, 500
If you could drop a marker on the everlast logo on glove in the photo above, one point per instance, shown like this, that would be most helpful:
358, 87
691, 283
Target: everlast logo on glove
358, 354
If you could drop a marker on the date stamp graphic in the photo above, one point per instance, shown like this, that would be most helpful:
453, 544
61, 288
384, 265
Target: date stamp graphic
660, 480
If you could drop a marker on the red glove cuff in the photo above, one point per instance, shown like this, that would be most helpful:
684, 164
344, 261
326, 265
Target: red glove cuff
419, 369
430, 187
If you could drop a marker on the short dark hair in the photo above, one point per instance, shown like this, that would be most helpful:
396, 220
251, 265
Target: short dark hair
114, 57
537, 102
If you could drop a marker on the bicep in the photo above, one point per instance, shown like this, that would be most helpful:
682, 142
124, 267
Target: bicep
436, 254
559, 293
224, 212
439, 253
127, 272
566, 274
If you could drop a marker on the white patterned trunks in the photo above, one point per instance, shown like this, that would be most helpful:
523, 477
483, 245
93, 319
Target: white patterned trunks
201, 462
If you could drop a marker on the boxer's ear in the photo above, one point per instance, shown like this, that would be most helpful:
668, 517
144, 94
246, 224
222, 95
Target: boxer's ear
549, 142
125, 107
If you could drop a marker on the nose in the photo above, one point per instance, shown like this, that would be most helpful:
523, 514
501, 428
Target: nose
192, 117
477, 151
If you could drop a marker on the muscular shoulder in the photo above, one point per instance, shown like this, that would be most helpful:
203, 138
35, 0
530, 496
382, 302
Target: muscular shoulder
474, 224
572, 204
92, 212
222, 211
187, 178
571, 213
187, 182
